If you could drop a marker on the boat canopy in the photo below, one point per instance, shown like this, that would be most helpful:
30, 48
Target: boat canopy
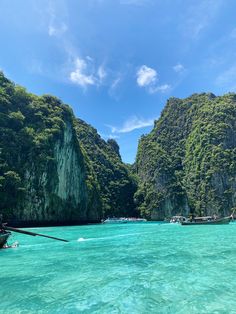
204, 218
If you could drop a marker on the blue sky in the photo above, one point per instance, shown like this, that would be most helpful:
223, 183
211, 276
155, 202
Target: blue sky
116, 62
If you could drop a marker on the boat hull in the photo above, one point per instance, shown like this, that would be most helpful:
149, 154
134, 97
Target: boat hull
123, 220
114, 222
220, 221
3, 239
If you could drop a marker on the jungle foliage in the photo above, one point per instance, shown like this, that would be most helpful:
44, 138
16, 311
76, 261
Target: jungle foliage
188, 161
29, 127
115, 182
186, 164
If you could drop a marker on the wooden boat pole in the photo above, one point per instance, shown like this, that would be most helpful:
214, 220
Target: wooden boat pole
32, 233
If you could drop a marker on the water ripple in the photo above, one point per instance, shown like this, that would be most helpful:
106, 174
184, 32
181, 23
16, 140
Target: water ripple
146, 268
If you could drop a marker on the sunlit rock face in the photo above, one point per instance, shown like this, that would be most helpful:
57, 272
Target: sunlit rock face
188, 161
70, 169
58, 193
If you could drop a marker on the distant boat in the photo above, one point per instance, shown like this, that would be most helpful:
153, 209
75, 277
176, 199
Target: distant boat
177, 219
123, 220
208, 220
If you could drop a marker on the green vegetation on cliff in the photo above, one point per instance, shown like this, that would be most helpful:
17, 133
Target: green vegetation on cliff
54, 168
188, 162
115, 183
32, 133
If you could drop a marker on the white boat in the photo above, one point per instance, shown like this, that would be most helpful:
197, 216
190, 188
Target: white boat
123, 220
133, 220
177, 219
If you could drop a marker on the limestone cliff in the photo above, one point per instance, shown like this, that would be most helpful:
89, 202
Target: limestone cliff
43, 176
58, 193
115, 183
55, 168
188, 161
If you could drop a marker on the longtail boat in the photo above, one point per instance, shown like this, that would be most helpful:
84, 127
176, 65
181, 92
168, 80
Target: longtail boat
5, 233
208, 220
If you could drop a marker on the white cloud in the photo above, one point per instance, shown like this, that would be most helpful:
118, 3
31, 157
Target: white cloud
109, 136
113, 90
89, 58
113, 136
115, 83
56, 26
57, 30
80, 76
160, 88
200, 16
85, 72
101, 73
131, 124
146, 76
178, 68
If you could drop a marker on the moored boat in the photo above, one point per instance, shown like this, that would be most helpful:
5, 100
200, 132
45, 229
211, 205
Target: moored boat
123, 220
5, 233
208, 220
128, 220
114, 220
177, 219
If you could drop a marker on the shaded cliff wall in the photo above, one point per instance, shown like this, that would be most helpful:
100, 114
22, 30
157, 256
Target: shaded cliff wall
113, 179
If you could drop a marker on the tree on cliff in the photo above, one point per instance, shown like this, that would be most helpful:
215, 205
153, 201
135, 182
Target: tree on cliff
188, 161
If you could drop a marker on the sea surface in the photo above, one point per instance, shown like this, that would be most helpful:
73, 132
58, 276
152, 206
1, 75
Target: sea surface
125, 268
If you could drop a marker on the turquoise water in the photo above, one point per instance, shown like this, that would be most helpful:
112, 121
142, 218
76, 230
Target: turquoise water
135, 268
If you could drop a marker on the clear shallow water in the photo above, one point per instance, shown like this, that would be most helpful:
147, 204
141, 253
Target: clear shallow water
135, 268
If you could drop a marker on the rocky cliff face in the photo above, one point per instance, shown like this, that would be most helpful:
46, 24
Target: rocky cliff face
58, 193
113, 179
188, 162
55, 168
43, 173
